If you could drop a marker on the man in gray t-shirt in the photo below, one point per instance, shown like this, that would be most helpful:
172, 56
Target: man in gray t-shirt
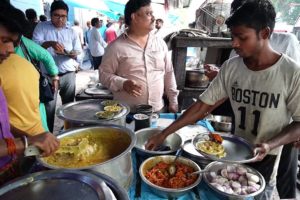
262, 86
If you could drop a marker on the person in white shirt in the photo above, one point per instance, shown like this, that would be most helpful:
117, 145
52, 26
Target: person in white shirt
160, 31
96, 43
121, 27
87, 35
79, 32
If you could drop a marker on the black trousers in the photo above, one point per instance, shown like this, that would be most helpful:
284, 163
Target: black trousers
287, 172
67, 83
97, 62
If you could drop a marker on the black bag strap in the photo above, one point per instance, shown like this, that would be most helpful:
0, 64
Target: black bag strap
28, 57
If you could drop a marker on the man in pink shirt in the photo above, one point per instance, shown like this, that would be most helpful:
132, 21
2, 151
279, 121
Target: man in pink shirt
136, 66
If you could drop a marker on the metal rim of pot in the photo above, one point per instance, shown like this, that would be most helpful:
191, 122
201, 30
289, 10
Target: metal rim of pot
128, 149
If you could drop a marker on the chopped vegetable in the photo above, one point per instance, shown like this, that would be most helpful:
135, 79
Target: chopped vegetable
114, 108
159, 175
216, 138
109, 103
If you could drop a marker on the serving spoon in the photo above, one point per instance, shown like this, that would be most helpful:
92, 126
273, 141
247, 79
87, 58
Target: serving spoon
172, 166
197, 172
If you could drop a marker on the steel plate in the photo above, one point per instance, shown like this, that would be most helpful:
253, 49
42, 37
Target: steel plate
119, 192
57, 184
96, 91
237, 149
218, 166
84, 111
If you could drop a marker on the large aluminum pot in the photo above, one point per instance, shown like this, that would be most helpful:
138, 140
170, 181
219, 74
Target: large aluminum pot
196, 78
82, 113
119, 167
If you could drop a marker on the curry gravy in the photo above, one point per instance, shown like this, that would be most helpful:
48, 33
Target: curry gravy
88, 148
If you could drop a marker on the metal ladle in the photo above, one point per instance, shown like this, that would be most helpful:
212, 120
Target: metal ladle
197, 172
172, 167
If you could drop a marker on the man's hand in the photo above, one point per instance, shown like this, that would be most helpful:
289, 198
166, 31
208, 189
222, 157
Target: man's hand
132, 88
47, 142
211, 71
59, 48
261, 150
55, 85
173, 108
297, 144
155, 141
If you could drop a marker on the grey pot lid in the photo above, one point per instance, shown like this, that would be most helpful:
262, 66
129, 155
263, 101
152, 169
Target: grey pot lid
57, 185
84, 111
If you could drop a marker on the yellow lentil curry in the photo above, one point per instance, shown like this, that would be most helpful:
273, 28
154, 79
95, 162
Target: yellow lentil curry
211, 147
89, 148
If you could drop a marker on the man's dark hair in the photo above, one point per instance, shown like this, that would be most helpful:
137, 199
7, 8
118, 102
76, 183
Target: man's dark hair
160, 20
132, 6
94, 21
30, 14
256, 14
236, 4
43, 18
13, 19
57, 5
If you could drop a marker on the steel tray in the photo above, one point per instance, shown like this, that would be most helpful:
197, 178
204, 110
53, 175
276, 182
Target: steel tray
237, 149
57, 184
84, 111
96, 91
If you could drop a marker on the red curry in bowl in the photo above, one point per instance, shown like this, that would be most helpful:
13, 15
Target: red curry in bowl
160, 176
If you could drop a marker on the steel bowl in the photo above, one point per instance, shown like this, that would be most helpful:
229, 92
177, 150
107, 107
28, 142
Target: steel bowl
216, 167
173, 142
221, 123
168, 192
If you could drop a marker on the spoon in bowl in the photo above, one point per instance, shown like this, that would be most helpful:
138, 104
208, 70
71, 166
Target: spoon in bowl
172, 166
197, 172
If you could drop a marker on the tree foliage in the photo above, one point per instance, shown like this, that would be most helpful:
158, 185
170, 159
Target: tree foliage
287, 10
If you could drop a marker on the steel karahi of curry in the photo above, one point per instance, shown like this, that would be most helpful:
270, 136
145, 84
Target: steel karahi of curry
88, 148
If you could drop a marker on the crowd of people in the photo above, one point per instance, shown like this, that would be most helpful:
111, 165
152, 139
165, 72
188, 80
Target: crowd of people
29, 48
261, 81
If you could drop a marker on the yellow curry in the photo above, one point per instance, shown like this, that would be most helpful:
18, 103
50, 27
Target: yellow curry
211, 147
88, 148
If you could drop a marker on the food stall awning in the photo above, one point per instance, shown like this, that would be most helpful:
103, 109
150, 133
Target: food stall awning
110, 8
116, 7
